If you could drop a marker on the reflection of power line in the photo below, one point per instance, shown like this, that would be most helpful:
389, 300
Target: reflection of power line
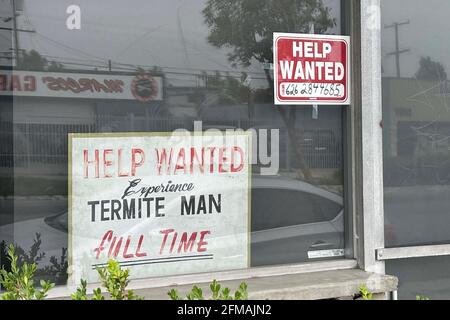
207, 57
397, 51
198, 70
72, 59
69, 47
86, 22
139, 38
97, 62
19, 30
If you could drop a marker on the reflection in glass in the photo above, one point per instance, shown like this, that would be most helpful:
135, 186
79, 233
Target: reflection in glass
215, 57
416, 121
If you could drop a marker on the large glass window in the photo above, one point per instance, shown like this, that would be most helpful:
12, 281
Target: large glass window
416, 126
215, 61
416, 121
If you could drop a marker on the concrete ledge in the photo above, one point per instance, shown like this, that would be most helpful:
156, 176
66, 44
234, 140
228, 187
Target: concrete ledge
188, 279
307, 286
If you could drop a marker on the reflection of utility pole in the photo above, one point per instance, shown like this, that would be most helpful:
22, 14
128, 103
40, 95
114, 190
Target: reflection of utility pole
397, 51
14, 28
16, 37
183, 39
15, 9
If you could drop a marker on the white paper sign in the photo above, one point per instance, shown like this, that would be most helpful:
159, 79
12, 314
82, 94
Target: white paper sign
159, 204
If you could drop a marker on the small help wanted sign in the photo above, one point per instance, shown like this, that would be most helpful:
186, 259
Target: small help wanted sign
311, 69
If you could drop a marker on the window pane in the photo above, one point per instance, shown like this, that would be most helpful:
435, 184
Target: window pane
416, 121
424, 277
214, 58
317, 206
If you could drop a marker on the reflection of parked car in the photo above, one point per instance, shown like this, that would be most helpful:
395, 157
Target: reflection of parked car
292, 221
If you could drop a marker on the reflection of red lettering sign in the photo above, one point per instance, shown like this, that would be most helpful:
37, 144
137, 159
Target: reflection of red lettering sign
17, 83
27, 83
144, 88
83, 84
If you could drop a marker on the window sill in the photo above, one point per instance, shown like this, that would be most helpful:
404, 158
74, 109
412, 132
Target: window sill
307, 286
319, 280
190, 279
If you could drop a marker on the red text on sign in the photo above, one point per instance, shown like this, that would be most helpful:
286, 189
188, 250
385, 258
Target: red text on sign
120, 246
108, 163
173, 242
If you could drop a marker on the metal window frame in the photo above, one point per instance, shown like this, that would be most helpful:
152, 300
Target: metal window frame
371, 39
348, 138
413, 252
367, 136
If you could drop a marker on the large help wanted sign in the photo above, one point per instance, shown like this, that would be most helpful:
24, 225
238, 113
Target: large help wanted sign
159, 204
311, 69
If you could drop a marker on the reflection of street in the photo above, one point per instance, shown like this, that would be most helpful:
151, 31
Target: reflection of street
28, 208
28, 221
420, 215
428, 277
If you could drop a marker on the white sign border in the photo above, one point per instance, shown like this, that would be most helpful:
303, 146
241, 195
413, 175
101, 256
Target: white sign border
72, 136
345, 39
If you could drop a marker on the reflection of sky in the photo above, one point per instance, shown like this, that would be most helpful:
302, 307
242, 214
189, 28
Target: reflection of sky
426, 35
138, 32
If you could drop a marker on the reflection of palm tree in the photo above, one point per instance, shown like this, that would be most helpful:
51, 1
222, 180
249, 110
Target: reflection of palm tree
247, 26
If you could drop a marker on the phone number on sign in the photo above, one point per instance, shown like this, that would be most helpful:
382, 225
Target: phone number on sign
312, 90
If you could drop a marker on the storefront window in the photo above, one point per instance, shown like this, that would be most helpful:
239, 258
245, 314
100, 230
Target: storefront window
416, 128
191, 64
416, 121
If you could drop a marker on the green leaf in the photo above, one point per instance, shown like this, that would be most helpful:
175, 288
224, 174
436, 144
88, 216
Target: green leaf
19, 282
365, 293
215, 289
173, 294
197, 293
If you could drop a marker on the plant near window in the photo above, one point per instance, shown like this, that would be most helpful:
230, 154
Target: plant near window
81, 293
364, 294
114, 279
56, 271
19, 280
420, 298
218, 293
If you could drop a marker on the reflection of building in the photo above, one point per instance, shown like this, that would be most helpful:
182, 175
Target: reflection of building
416, 116
48, 106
